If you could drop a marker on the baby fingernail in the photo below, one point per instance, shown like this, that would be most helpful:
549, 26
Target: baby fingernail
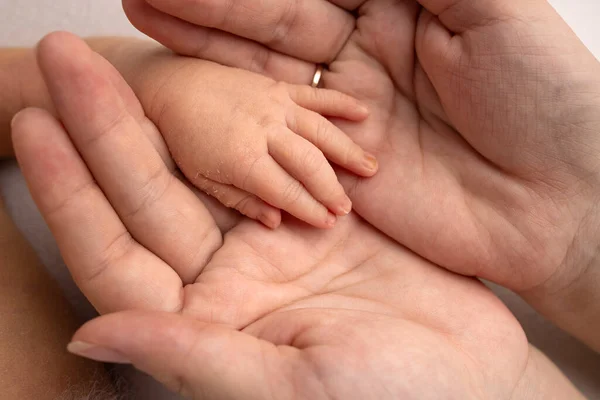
331, 219
97, 353
370, 162
345, 207
268, 221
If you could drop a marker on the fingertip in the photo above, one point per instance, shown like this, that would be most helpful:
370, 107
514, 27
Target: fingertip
361, 112
19, 131
18, 126
53, 42
369, 164
344, 208
30, 125
362, 163
16, 119
58, 46
351, 108
271, 219
330, 220
26, 116
364, 110
96, 353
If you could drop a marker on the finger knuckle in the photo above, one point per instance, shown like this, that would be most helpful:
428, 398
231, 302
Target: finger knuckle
203, 41
208, 242
284, 24
150, 193
267, 122
260, 60
244, 170
291, 194
245, 205
313, 163
319, 96
279, 92
351, 152
72, 199
322, 132
105, 126
112, 255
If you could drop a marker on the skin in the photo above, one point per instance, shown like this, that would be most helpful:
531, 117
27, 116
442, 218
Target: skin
294, 133
263, 145
22, 85
292, 313
32, 357
36, 320
577, 300
483, 119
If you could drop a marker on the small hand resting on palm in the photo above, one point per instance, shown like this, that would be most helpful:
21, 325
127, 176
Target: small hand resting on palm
260, 146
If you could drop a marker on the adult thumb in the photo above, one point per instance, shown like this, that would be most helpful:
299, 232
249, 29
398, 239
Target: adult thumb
195, 359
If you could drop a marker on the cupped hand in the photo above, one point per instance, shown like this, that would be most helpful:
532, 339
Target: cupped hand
297, 312
483, 117
488, 145
486, 137
305, 314
148, 207
280, 39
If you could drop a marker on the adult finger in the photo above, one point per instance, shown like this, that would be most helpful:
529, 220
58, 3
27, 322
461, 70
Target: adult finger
461, 15
193, 358
158, 209
215, 45
109, 266
386, 35
310, 30
134, 107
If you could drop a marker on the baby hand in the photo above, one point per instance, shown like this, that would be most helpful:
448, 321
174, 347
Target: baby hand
260, 146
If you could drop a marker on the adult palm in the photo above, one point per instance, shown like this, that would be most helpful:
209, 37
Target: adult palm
313, 315
296, 312
483, 118
488, 164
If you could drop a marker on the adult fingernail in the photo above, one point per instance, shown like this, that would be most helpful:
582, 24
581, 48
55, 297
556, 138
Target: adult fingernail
14, 119
345, 207
331, 220
97, 353
370, 162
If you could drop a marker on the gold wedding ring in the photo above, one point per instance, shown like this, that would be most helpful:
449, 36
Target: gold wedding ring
317, 77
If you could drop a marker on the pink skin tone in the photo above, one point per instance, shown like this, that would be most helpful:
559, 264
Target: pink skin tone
260, 146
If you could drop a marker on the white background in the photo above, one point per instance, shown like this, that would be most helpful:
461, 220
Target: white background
24, 21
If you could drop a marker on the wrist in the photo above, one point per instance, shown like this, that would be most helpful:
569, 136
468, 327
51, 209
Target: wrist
137, 61
571, 297
154, 72
541, 379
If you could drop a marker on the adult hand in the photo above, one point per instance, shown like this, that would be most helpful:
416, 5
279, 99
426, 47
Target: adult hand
488, 142
487, 138
297, 312
281, 39
146, 209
